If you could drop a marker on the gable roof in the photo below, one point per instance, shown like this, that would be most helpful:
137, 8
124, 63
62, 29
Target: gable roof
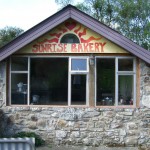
71, 12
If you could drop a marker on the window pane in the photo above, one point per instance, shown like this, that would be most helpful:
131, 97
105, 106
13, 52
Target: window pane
49, 81
125, 64
78, 89
79, 64
105, 81
18, 88
125, 90
19, 64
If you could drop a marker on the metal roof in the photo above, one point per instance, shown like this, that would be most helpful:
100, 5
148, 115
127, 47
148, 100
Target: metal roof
71, 12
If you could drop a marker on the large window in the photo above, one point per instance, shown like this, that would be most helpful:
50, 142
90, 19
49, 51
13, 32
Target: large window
105, 81
66, 80
49, 81
39, 81
115, 81
45, 81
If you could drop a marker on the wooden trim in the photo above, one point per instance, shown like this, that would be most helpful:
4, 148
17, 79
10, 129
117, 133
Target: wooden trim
138, 82
91, 85
74, 54
72, 106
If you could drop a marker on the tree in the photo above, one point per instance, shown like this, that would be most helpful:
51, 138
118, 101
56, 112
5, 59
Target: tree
102, 10
9, 33
133, 19
130, 18
63, 3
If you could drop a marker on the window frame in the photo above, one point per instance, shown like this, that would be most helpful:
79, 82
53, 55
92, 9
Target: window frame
117, 73
20, 72
81, 72
78, 72
70, 72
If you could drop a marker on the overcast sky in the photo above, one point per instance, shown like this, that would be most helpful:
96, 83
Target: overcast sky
25, 13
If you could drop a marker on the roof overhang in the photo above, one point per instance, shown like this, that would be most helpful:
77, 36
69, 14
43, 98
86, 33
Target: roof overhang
70, 12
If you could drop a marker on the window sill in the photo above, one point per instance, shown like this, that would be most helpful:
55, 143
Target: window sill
113, 107
72, 106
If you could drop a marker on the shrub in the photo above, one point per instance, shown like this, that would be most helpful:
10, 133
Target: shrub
38, 140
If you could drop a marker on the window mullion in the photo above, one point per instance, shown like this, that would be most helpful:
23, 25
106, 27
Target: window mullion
69, 83
134, 80
87, 89
116, 82
69, 89
28, 82
134, 94
10, 82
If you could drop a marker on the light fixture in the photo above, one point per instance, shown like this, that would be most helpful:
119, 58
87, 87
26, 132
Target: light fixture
92, 60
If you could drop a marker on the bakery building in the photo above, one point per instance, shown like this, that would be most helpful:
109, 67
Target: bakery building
83, 82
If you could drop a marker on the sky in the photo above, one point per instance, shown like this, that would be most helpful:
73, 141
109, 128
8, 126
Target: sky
26, 13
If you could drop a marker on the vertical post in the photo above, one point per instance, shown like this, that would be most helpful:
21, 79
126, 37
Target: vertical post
92, 83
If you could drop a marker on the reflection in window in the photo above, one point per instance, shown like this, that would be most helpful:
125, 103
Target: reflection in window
125, 89
49, 81
105, 81
78, 64
78, 89
19, 88
125, 64
19, 63
19, 80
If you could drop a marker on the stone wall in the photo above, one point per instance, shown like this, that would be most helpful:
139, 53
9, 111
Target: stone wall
83, 126
145, 84
2, 83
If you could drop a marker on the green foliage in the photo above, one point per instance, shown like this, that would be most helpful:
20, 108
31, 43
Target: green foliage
131, 18
9, 33
102, 10
38, 140
63, 3
83, 8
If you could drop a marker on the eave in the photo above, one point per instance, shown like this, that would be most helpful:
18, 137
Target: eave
70, 12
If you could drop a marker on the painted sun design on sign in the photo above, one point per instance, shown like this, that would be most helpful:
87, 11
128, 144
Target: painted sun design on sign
73, 27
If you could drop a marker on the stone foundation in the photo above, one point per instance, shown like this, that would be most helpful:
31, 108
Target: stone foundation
82, 126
